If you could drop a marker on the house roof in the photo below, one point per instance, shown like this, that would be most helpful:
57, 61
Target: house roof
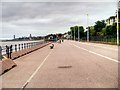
112, 17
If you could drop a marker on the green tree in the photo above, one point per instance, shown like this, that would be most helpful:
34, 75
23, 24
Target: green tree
72, 31
92, 31
81, 28
99, 25
103, 32
111, 30
119, 20
69, 33
81, 31
59, 35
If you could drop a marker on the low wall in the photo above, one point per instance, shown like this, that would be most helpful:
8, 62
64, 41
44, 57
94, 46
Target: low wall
6, 63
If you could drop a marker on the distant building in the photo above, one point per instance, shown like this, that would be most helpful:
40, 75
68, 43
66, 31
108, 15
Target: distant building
67, 36
111, 20
50, 37
14, 37
30, 37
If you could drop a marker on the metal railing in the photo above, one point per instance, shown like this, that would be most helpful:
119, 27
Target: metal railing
7, 50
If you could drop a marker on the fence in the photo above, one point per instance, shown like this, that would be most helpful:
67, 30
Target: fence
7, 50
102, 39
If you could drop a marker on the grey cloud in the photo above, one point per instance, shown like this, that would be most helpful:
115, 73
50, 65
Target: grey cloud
51, 17
59, 0
31, 10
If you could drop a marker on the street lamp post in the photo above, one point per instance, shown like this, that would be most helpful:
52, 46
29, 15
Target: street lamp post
118, 24
71, 35
74, 33
78, 34
87, 30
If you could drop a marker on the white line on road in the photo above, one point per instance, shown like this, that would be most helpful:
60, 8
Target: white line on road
35, 71
98, 46
96, 53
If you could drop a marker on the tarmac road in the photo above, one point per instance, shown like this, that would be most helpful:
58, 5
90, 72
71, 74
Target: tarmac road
70, 64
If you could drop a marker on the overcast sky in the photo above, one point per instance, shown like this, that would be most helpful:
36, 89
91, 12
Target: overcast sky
42, 18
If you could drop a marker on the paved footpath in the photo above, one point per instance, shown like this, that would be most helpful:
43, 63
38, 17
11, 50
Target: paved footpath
69, 65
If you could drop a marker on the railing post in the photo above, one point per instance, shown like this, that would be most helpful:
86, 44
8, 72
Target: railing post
33, 43
22, 46
7, 51
11, 51
15, 47
30, 45
0, 53
27, 45
19, 47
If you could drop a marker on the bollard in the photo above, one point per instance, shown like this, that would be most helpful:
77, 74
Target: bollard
0, 53
15, 48
19, 47
10, 51
7, 51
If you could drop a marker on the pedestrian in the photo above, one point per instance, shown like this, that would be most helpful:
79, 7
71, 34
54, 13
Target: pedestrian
0, 53
11, 51
60, 41
7, 51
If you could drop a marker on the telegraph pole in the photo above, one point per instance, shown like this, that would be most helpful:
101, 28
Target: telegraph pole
88, 29
78, 34
71, 34
118, 24
74, 33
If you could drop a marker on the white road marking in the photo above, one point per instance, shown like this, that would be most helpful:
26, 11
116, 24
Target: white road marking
99, 46
35, 71
96, 53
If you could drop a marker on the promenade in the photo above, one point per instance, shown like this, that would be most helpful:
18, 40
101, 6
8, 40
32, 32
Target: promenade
70, 64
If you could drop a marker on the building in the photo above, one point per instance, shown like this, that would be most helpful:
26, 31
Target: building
13, 36
111, 20
67, 36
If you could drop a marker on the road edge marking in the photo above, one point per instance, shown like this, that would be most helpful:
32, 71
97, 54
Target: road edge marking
25, 84
90, 44
111, 59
